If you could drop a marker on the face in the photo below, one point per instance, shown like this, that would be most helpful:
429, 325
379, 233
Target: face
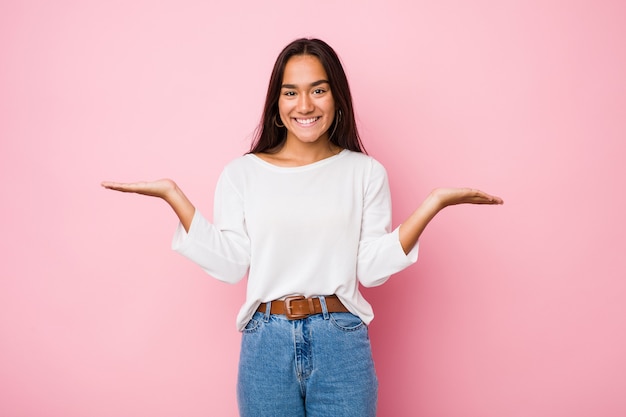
306, 105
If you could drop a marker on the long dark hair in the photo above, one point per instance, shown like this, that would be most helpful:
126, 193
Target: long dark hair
343, 132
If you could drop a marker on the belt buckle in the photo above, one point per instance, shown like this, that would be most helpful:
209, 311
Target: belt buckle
296, 316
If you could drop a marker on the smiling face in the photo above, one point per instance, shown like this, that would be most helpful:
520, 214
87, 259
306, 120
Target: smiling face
306, 105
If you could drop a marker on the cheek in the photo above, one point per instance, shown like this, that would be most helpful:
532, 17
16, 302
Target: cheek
330, 105
331, 109
283, 108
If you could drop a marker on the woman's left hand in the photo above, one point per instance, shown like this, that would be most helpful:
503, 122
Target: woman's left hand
452, 196
438, 199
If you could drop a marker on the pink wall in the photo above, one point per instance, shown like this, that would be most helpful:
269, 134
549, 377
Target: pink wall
511, 311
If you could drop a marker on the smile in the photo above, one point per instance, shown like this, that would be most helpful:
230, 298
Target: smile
308, 121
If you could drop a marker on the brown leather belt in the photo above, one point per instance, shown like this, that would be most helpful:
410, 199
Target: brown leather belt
299, 307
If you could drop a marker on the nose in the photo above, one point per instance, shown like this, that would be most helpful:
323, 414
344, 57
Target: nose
305, 104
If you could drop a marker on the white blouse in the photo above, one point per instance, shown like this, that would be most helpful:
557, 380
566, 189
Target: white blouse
317, 229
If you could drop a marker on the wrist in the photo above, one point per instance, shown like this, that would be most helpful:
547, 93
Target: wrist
172, 194
434, 202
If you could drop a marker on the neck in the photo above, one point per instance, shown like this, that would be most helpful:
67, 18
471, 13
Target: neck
296, 153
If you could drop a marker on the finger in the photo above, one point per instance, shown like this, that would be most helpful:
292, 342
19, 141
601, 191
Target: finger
109, 184
119, 186
493, 199
481, 197
490, 199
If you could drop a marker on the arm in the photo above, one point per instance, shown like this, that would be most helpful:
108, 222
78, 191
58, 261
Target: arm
437, 200
222, 251
165, 189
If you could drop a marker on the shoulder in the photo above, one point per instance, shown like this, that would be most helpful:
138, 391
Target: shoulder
240, 162
242, 165
368, 164
237, 173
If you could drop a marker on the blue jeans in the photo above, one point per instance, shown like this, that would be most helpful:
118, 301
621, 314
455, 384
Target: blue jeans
319, 366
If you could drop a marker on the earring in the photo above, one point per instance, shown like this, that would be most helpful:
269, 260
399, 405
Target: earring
337, 121
276, 122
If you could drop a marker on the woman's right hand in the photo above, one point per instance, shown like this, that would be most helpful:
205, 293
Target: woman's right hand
162, 188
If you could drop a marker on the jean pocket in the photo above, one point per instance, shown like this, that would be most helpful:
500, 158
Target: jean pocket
346, 322
252, 326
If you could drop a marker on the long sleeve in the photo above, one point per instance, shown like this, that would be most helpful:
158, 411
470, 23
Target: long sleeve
317, 229
221, 249
380, 253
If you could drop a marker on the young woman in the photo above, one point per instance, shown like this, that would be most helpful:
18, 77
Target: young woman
306, 215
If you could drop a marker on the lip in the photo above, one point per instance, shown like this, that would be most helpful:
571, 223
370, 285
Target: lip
305, 122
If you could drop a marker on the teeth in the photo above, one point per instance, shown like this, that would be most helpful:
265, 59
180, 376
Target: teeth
306, 121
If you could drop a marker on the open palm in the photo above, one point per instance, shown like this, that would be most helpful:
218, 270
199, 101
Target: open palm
159, 188
453, 196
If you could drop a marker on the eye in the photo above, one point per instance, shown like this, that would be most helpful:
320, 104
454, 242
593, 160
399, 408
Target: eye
319, 91
289, 93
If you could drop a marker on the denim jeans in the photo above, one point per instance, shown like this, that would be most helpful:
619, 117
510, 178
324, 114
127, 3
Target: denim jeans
319, 366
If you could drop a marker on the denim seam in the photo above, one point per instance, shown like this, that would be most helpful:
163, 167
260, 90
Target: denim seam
347, 329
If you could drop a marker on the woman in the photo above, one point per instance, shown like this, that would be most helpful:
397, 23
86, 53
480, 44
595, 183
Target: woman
306, 216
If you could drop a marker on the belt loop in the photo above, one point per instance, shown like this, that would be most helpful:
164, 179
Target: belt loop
268, 311
324, 307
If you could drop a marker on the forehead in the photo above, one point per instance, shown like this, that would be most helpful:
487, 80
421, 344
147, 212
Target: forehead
303, 70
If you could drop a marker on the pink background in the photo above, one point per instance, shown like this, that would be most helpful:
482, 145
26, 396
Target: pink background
512, 311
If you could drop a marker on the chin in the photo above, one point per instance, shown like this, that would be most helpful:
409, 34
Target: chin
312, 140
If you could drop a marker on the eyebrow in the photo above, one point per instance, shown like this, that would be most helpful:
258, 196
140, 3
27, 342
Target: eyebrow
314, 84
